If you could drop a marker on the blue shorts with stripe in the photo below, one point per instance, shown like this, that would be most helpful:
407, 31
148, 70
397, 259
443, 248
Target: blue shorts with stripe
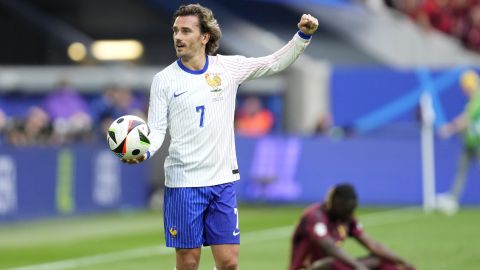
197, 216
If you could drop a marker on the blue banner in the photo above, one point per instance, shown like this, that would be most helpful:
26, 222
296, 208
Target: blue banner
46, 182
369, 98
385, 171
43, 182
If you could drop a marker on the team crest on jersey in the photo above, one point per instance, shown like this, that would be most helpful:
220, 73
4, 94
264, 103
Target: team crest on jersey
214, 81
173, 231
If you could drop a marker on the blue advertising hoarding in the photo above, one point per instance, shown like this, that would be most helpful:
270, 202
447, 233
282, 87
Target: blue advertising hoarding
43, 181
47, 182
385, 171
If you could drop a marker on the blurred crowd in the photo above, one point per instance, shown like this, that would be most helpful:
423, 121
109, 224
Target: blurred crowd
64, 116
458, 18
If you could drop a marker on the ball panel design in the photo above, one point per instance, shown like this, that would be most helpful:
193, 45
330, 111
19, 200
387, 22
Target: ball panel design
127, 137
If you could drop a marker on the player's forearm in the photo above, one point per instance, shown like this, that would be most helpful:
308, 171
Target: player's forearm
345, 258
382, 252
156, 138
282, 58
332, 250
460, 123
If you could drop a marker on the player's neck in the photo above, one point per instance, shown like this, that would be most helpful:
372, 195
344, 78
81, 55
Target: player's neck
196, 62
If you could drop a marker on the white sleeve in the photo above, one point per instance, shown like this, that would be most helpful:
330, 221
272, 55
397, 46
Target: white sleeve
157, 114
243, 68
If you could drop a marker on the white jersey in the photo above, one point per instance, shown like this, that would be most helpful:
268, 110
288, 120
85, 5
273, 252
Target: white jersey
198, 109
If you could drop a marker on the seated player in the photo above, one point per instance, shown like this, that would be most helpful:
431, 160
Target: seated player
323, 227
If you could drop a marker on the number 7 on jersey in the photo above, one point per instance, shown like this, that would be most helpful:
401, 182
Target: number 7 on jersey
201, 110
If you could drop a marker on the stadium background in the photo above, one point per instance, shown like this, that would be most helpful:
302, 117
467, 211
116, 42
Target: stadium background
348, 110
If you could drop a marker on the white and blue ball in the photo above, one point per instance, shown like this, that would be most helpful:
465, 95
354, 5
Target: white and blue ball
127, 137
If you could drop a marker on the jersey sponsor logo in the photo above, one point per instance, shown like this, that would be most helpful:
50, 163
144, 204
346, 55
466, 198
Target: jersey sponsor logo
214, 81
173, 231
320, 229
236, 233
178, 94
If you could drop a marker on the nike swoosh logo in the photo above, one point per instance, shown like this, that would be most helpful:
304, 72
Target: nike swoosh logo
236, 233
179, 94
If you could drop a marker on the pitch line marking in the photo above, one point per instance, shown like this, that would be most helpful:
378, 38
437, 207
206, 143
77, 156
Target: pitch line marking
370, 220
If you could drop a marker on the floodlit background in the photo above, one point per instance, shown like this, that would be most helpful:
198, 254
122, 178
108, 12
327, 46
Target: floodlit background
349, 110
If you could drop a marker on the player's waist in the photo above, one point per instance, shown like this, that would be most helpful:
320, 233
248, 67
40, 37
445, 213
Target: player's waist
173, 182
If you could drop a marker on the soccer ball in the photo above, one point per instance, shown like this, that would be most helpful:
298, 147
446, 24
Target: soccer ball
127, 137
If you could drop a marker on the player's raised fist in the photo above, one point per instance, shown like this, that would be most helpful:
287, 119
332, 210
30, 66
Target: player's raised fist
308, 24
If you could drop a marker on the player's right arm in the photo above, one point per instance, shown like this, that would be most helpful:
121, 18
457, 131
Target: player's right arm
242, 68
318, 231
157, 118
459, 124
381, 251
157, 114
327, 244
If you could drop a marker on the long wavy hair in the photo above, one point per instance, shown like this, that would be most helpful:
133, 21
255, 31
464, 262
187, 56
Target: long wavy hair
208, 24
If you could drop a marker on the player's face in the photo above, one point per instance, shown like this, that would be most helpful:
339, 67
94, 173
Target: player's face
187, 37
343, 209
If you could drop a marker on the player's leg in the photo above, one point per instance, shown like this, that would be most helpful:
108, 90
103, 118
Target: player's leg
187, 258
322, 264
226, 256
371, 262
330, 263
374, 262
448, 202
184, 210
222, 227
461, 175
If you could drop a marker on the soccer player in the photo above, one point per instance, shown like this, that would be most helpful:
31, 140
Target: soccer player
195, 98
467, 123
324, 226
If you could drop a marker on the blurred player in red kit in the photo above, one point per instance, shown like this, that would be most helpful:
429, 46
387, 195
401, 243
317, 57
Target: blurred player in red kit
324, 226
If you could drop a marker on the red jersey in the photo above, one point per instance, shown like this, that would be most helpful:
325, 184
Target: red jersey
314, 225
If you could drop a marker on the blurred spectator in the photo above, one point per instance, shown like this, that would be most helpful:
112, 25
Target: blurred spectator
114, 102
470, 30
103, 111
3, 120
34, 129
436, 14
458, 18
64, 116
68, 112
253, 119
324, 124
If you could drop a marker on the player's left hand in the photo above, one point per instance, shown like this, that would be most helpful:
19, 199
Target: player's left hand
308, 24
136, 160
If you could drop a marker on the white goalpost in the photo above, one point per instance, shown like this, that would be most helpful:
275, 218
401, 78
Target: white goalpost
428, 151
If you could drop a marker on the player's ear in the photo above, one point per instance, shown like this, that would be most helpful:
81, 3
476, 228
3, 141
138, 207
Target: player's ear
205, 38
329, 199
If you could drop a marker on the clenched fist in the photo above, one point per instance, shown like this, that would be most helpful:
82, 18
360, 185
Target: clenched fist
308, 24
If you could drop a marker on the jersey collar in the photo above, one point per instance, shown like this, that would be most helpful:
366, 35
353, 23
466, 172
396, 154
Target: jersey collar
196, 72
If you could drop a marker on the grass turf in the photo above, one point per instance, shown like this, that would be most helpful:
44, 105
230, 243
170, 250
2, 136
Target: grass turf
132, 240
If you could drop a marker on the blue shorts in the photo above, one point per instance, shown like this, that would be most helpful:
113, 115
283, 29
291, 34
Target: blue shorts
199, 216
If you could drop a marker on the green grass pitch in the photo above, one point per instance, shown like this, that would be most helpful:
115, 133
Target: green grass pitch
135, 240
